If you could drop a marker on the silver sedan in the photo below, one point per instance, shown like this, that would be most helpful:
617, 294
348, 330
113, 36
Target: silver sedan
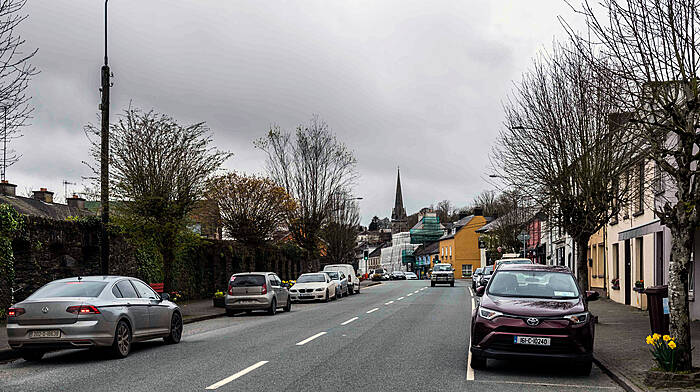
91, 311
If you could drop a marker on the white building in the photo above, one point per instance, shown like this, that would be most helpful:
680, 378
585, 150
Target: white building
391, 259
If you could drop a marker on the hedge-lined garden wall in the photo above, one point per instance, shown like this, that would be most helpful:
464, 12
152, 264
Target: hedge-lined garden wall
43, 250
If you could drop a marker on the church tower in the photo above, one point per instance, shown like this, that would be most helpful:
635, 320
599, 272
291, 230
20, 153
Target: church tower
399, 220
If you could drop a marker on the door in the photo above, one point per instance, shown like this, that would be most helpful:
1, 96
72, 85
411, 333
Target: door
659, 260
628, 273
136, 308
280, 292
158, 311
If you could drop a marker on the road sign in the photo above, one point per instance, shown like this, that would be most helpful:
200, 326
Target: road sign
523, 236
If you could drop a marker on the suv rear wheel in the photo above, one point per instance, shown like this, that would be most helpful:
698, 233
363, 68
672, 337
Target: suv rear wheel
31, 355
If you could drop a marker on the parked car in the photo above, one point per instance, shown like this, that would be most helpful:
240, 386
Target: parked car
251, 291
341, 281
398, 275
533, 311
313, 286
476, 276
349, 271
442, 273
411, 276
513, 261
377, 274
485, 276
91, 311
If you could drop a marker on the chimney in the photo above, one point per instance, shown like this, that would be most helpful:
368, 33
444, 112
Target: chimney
76, 202
478, 211
7, 189
43, 195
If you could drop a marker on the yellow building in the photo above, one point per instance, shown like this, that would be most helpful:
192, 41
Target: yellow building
460, 247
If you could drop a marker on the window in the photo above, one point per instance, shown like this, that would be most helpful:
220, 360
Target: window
467, 270
616, 260
658, 185
144, 290
116, 292
640, 189
691, 278
247, 280
127, 289
639, 244
450, 250
70, 289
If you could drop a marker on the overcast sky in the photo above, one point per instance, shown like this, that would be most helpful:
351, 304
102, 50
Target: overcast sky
412, 84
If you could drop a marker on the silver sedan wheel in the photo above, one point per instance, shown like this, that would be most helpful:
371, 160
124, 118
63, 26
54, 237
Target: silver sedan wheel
122, 340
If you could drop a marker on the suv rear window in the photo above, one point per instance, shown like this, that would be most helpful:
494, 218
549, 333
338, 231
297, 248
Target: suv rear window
70, 289
247, 280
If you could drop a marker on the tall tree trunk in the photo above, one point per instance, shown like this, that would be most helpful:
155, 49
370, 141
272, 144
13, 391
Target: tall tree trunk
681, 249
582, 260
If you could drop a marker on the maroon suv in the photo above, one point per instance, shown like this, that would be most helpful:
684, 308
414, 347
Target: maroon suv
533, 311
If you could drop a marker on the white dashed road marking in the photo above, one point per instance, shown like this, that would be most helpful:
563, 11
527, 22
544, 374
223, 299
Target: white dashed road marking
237, 375
416, 292
349, 321
388, 303
372, 310
303, 342
409, 294
400, 298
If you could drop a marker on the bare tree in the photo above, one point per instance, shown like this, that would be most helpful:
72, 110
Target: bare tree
339, 234
313, 166
15, 74
444, 210
558, 148
654, 49
250, 207
160, 171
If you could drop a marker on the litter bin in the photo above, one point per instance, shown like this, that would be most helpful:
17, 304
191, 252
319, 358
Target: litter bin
657, 300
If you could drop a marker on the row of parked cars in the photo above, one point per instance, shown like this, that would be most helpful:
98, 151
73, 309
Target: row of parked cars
252, 291
113, 312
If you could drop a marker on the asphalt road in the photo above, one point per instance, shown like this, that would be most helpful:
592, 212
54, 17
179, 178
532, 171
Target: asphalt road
398, 336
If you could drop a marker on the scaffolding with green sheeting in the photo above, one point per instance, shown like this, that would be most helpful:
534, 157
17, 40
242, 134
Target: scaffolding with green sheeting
429, 230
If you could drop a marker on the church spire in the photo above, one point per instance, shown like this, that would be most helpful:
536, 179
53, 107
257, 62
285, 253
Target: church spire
399, 219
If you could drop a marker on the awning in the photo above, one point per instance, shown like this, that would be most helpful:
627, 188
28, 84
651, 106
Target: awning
634, 232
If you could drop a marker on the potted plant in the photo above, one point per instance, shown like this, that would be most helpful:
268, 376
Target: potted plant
665, 375
219, 299
639, 286
615, 284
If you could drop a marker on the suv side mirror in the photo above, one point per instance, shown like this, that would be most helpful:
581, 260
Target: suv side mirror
164, 297
480, 291
592, 295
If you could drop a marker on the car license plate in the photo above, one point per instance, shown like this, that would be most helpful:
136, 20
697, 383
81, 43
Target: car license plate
531, 340
49, 333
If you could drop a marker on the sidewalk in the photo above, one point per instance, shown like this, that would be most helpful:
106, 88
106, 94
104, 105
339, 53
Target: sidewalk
619, 342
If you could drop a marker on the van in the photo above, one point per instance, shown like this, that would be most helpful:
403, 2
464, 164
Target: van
349, 271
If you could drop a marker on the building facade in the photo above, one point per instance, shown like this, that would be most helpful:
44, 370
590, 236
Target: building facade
461, 247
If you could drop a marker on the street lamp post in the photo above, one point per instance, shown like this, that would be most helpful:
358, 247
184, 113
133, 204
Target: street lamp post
104, 158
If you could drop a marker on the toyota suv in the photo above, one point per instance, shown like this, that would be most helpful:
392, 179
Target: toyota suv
442, 273
533, 311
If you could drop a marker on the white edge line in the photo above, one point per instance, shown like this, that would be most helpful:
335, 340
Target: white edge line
372, 310
303, 342
349, 321
470, 371
400, 298
237, 375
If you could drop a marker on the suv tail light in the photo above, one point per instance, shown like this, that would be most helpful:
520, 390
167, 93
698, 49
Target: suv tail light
264, 288
82, 309
14, 312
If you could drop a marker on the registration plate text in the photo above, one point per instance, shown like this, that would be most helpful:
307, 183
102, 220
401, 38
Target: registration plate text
50, 333
531, 340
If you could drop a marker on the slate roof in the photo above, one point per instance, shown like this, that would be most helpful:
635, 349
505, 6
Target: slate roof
34, 207
427, 249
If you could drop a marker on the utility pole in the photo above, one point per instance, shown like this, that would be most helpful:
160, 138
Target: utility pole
4, 146
104, 160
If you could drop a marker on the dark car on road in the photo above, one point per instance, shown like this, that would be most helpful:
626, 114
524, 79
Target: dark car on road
484, 277
476, 276
533, 311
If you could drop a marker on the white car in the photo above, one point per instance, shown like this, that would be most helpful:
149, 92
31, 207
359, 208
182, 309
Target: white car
314, 286
349, 271
411, 276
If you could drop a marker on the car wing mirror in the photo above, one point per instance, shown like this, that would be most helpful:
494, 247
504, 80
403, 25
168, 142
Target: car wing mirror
480, 291
592, 295
164, 297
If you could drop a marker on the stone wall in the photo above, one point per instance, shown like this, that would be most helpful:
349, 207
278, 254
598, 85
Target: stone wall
49, 249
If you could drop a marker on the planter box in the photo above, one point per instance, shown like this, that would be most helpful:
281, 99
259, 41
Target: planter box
219, 302
661, 379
